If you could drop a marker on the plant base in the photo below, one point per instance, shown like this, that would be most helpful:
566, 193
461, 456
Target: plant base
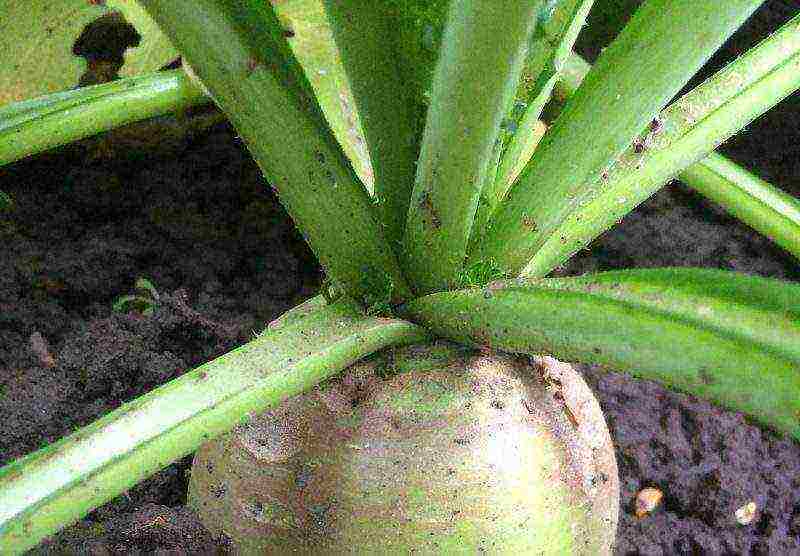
425, 449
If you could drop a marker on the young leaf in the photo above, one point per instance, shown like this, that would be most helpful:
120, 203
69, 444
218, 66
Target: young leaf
239, 52
730, 338
476, 76
367, 40
660, 49
684, 133
52, 488
37, 38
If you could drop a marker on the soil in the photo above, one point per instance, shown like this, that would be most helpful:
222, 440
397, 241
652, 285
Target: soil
201, 224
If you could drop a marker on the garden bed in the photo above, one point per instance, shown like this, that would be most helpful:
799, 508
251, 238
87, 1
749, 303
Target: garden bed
204, 228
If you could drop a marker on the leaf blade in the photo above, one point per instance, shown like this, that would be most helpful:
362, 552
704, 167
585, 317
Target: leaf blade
689, 129
705, 353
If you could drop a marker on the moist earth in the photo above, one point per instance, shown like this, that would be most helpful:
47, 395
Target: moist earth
199, 222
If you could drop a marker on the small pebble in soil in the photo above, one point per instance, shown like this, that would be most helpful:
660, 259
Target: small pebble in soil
746, 513
647, 500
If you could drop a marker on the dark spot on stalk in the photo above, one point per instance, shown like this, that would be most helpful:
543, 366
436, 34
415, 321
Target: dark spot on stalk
656, 125
426, 205
705, 376
528, 222
597, 351
638, 146
252, 65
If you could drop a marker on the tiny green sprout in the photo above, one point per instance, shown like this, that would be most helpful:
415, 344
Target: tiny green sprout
6, 201
144, 302
143, 284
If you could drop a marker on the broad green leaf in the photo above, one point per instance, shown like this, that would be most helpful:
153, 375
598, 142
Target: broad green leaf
730, 338
37, 38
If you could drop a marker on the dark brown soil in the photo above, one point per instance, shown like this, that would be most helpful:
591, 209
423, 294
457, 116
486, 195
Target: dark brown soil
225, 259
223, 256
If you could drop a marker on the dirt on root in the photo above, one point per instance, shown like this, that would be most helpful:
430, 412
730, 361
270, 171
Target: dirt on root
204, 228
